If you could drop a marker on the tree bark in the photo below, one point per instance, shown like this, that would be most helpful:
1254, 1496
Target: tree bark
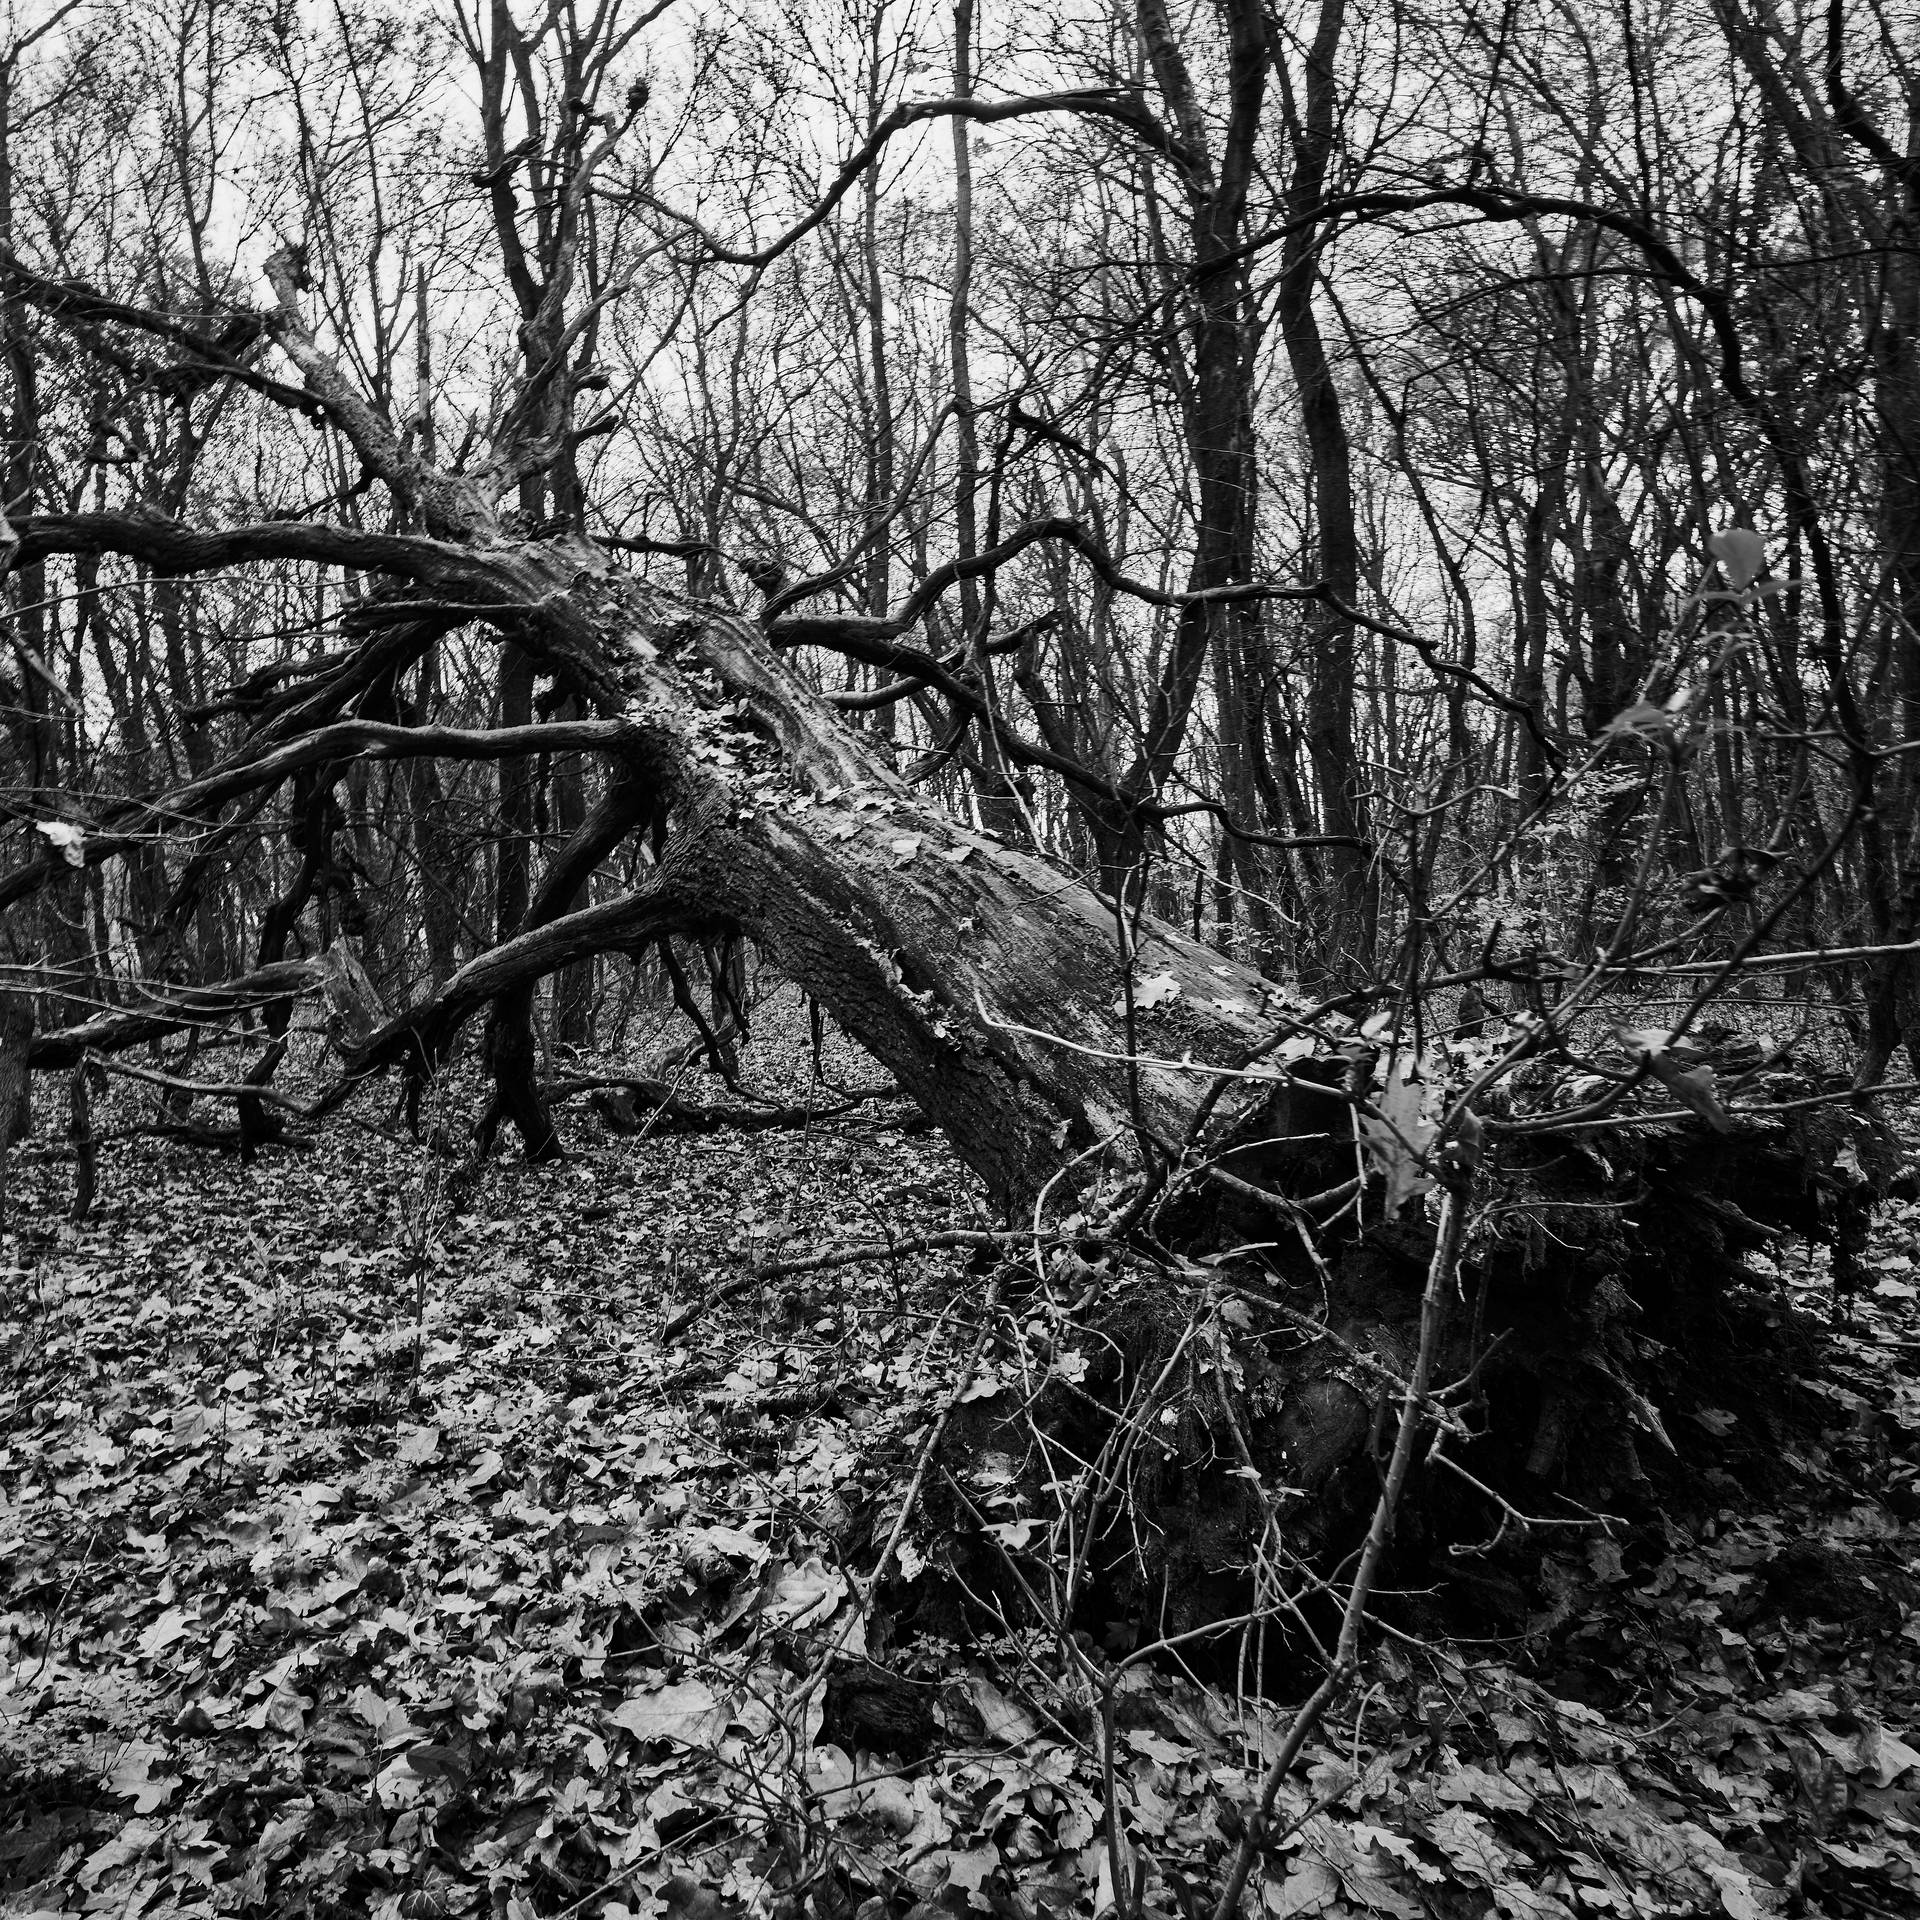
574, 990
991, 989
510, 1041
1348, 938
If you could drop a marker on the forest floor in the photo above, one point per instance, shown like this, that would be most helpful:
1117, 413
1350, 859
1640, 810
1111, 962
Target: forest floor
364, 1549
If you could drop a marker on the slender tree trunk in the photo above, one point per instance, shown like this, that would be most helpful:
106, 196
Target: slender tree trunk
573, 990
426, 799
1349, 931
39, 724
512, 1056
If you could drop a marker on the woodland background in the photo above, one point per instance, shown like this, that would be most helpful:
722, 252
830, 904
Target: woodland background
1310, 425
1163, 763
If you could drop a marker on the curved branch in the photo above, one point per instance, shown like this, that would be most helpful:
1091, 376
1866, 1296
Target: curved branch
873, 642
1502, 204
658, 908
850, 633
114, 830
208, 357
1119, 104
62, 297
898, 690
182, 1007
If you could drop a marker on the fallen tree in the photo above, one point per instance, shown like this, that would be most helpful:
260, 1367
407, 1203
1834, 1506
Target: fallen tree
1067, 1043
1055, 1033
1292, 1292
1151, 1117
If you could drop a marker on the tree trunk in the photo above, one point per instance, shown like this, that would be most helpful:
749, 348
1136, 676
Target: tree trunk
16, 1085
993, 991
511, 1053
574, 990
1349, 933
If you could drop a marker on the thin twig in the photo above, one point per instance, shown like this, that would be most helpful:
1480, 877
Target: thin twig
1433, 1309
819, 1262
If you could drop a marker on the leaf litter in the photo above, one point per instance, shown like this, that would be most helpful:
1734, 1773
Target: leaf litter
363, 1558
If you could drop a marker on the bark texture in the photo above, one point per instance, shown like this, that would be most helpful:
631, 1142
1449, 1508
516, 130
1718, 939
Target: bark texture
992, 986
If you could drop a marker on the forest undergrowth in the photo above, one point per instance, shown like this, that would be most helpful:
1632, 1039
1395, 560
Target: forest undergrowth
365, 1548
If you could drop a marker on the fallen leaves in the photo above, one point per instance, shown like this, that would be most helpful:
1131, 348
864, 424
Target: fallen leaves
687, 1714
1150, 990
1396, 1137
292, 1627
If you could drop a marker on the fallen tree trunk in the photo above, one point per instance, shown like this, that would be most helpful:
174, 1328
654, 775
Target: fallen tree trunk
1123, 1091
1064, 1046
998, 992
993, 987
1045, 1028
